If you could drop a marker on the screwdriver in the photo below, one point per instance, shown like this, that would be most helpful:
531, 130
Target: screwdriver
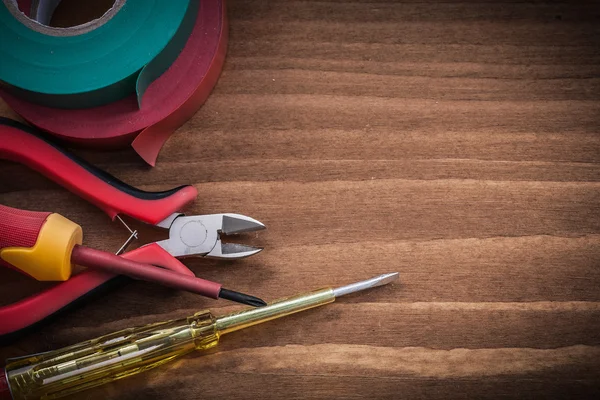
88, 364
46, 246
98, 259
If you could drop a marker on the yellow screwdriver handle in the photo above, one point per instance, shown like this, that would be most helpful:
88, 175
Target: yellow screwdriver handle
88, 364
37, 243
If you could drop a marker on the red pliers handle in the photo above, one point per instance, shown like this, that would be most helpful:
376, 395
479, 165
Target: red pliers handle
25, 145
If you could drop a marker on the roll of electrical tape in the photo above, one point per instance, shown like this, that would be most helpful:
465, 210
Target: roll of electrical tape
96, 63
168, 102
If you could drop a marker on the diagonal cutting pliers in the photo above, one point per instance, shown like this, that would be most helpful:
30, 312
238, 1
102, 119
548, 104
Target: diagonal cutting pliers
198, 235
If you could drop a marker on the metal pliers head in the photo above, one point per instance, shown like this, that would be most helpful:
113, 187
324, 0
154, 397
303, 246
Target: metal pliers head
200, 235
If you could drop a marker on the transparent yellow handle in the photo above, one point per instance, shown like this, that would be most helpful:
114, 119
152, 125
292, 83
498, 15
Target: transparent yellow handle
88, 364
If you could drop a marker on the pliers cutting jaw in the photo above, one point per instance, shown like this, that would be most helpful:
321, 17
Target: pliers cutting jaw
200, 235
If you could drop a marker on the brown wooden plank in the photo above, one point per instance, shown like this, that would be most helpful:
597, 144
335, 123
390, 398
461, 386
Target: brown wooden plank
455, 142
305, 375
430, 325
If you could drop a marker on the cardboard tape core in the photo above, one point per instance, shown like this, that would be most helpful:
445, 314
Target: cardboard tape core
41, 14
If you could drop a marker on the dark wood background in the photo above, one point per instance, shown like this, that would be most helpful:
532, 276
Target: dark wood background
455, 142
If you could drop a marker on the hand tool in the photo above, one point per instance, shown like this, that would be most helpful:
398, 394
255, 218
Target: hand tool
28, 146
170, 101
45, 246
88, 364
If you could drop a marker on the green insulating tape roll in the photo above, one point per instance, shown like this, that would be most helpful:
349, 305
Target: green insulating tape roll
93, 64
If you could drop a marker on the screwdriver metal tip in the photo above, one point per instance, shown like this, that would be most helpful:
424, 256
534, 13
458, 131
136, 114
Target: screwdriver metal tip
367, 284
242, 298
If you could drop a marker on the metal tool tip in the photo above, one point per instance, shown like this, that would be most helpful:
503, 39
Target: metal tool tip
242, 298
233, 250
233, 224
367, 284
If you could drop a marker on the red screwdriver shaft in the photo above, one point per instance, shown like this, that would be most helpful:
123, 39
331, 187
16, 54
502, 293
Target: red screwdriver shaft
109, 262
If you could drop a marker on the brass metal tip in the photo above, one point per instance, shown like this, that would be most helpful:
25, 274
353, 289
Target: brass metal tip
369, 283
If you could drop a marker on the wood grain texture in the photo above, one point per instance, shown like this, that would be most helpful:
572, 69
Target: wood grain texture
455, 142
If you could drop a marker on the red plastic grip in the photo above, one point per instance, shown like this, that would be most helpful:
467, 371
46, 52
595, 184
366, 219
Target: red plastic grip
24, 145
152, 253
35, 308
4, 388
20, 228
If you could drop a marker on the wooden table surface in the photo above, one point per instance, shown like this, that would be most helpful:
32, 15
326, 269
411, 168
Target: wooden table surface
455, 142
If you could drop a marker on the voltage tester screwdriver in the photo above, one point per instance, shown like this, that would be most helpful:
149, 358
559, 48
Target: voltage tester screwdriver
88, 364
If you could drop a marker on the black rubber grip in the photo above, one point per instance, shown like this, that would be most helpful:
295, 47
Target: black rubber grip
97, 172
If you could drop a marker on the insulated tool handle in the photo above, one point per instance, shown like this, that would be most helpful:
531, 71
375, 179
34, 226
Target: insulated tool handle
31, 312
4, 388
22, 144
38, 243
95, 362
34, 310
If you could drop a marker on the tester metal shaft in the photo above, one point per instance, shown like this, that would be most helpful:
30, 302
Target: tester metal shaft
88, 364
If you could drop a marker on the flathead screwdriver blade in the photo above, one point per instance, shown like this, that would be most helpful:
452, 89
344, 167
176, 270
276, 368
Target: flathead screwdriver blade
367, 284
241, 298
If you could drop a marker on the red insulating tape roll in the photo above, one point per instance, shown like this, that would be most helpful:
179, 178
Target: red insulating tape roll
169, 102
